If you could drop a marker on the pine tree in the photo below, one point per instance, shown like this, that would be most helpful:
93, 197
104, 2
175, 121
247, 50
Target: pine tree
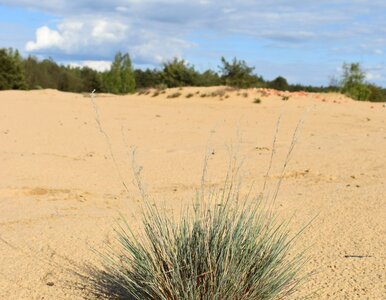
11, 72
177, 73
238, 74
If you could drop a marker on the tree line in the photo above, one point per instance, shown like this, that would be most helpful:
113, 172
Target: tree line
29, 73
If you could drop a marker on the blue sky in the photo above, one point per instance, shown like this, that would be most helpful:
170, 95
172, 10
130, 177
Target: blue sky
305, 41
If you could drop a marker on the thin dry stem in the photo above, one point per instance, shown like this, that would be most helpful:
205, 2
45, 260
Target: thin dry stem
108, 142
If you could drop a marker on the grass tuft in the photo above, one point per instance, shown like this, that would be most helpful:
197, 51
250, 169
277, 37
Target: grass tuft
155, 94
257, 101
190, 95
174, 95
231, 248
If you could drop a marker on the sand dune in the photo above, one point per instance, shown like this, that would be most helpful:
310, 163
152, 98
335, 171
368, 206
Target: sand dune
61, 190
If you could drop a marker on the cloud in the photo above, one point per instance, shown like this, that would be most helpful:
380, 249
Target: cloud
151, 48
98, 65
45, 38
103, 38
73, 36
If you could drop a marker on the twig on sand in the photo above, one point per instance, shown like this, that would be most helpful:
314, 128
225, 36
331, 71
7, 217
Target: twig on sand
357, 256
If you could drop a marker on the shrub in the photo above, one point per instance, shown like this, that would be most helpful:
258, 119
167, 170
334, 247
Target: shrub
353, 84
190, 95
285, 98
155, 94
208, 78
377, 94
257, 101
147, 78
178, 73
245, 94
279, 83
238, 74
174, 95
229, 249
358, 92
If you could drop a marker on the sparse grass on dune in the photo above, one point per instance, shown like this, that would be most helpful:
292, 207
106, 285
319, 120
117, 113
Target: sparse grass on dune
218, 92
174, 95
231, 248
189, 95
285, 98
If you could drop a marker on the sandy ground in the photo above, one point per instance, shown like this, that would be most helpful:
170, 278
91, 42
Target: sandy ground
61, 190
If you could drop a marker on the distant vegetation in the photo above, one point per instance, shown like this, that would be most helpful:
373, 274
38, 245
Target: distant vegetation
353, 85
29, 73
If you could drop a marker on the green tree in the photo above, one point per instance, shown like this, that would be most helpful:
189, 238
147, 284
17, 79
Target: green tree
353, 82
279, 83
120, 79
208, 78
238, 74
148, 78
70, 79
11, 71
32, 72
49, 73
178, 73
91, 80
378, 94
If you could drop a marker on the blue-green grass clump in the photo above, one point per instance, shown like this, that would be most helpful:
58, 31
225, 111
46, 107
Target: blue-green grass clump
231, 248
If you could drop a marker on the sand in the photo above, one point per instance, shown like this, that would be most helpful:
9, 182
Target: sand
61, 190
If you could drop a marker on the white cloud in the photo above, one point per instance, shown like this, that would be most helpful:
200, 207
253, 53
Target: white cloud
107, 31
155, 49
98, 65
45, 38
102, 37
73, 36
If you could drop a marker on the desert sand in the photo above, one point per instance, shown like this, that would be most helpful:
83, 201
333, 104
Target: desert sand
61, 180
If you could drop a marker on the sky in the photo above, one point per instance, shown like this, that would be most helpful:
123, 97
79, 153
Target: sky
306, 41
